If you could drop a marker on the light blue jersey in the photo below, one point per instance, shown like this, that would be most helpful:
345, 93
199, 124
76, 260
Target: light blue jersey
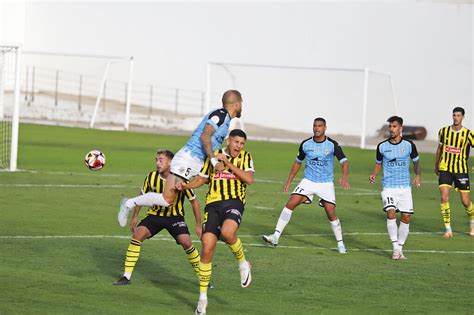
219, 119
320, 159
396, 162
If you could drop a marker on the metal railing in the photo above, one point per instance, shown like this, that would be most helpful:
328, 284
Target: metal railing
81, 89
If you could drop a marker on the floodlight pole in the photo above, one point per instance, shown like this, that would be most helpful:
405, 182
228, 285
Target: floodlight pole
129, 95
16, 113
364, 108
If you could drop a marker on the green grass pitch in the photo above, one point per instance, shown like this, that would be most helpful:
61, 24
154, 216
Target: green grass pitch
62, 248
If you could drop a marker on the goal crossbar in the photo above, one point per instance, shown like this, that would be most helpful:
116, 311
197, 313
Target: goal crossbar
365, 71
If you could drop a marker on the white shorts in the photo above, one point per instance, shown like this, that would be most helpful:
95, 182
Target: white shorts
325, 191
185, 165
398, 198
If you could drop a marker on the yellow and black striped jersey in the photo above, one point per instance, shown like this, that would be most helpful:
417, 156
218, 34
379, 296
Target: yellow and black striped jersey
225, 185
456, 146
154, 183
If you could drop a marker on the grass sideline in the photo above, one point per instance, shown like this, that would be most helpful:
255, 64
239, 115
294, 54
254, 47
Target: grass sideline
62, 247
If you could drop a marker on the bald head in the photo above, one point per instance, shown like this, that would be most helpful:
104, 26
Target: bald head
232, 102
230, 97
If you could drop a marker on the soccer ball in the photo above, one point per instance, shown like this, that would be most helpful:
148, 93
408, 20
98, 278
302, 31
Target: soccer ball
95, 160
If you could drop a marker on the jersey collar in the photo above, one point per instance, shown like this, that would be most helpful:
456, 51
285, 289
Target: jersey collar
395, 143
325, 138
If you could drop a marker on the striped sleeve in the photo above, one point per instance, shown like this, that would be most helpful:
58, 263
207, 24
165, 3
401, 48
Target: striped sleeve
206, 169
441, 136
471, 138
248, 162
190, 194
146, 184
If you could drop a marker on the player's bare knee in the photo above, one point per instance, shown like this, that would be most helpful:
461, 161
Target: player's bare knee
229, 237
185, 242
391, 214
405, 218
140, 234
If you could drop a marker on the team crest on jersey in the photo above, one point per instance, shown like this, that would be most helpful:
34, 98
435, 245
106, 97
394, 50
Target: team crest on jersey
326, 152
239, 163
403, 150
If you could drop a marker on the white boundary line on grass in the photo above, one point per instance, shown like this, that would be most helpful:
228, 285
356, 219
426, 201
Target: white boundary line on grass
261, 180
168, 238
364, 191
65, 186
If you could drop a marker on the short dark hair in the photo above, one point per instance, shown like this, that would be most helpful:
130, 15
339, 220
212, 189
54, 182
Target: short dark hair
458, 109
238, 133
398, 119
320, 119
165, 152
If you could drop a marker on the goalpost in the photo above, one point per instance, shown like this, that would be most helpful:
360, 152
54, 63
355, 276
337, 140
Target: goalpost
73, 87
10, 62
355, 101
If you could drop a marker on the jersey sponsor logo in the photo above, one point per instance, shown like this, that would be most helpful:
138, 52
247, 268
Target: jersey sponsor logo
387, 151
317, 162
453, 150
224, 176
179, 224
394, 162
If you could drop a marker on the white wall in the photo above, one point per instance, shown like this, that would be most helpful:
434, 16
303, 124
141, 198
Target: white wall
427, 46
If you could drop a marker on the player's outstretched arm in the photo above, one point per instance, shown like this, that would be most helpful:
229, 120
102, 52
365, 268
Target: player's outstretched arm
207, 145
417, 179
197, 181
344, 181
134, 221
197, 215
375, 171
293, 171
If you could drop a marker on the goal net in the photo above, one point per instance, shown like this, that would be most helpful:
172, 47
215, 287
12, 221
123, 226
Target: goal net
77, 89
9, 106
355, 102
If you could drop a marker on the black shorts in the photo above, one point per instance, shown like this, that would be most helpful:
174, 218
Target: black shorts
217, 212
174, 225
460, 180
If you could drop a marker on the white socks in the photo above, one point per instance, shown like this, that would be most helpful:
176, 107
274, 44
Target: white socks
127, 275
403, 234
392, 229
149, 199
285, 217
337, 229
398, 235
